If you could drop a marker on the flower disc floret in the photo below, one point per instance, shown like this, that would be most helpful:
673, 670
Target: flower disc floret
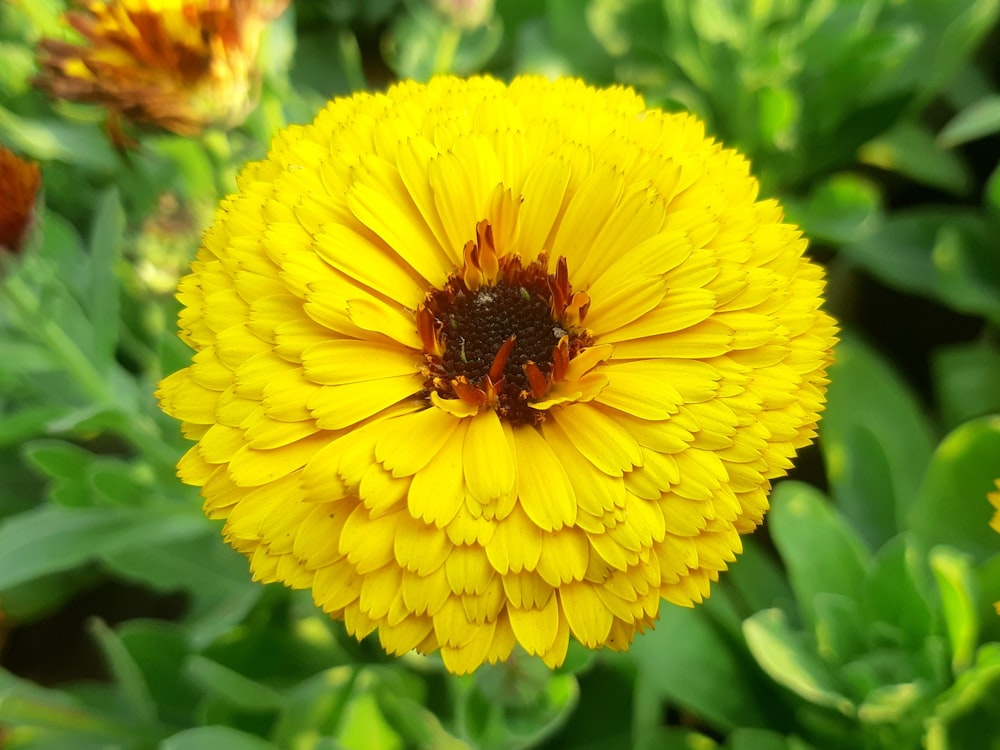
486, 365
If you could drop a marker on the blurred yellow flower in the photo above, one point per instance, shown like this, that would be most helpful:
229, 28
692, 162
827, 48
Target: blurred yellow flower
19, 183
177, 64
485, 365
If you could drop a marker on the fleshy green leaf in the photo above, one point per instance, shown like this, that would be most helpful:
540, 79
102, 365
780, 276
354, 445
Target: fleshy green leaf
685, 659
214, 576
820, 551
969, 707
978, 120
232, 687
756, 580
911, 150
841, 209
951, 507
125, 672
51, 539
942, 253
763, 739
875, 441
365, 728
786, 657
967, 381
958, 603
80, 144
897, 592
215, 738
839, 629
315, 706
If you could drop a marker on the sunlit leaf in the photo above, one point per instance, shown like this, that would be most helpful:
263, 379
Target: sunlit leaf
951, 507
786, 657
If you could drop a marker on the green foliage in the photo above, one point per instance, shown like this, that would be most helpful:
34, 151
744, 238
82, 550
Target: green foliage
862, 618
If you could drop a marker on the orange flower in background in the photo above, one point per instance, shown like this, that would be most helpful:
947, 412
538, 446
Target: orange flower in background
19, 182
177, 64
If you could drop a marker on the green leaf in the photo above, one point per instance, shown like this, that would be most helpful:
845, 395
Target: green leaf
897, 591
214, 576
992, 194
951, 507
969, 707
820, 551
314, 706
83, 145
159, 649
416, 724
26, 423
786, 657
892, 715
232, 687
126, 673
840, 629
52, 719
102, 292
365, 728
988, 586
53, 538
685, 660
942, 253
757, 580
215, 738
875, 440
58, 459
978, 120
676, 738
842, 208
763, 739
779, 110
957, 585
911, 150
966, 381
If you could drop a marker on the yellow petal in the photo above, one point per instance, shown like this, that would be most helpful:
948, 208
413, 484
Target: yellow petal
588, 618
365, 260
341, 361
536, 629
413, 440
604, 442
367, 542
487, 460
516, 544
544, 490
419, 547
337, 406
437, 490
468, 569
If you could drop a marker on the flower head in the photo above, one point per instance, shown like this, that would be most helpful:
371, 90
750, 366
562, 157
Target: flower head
177, 64
485, 365
19, 183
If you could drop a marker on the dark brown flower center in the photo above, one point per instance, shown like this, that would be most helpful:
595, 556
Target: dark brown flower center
499, 333
478, 325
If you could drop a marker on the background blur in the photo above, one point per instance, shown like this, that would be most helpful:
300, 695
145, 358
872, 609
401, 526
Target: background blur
860, 616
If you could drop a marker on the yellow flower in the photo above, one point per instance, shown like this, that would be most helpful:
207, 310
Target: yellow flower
19, 183
485, 365
176, 64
